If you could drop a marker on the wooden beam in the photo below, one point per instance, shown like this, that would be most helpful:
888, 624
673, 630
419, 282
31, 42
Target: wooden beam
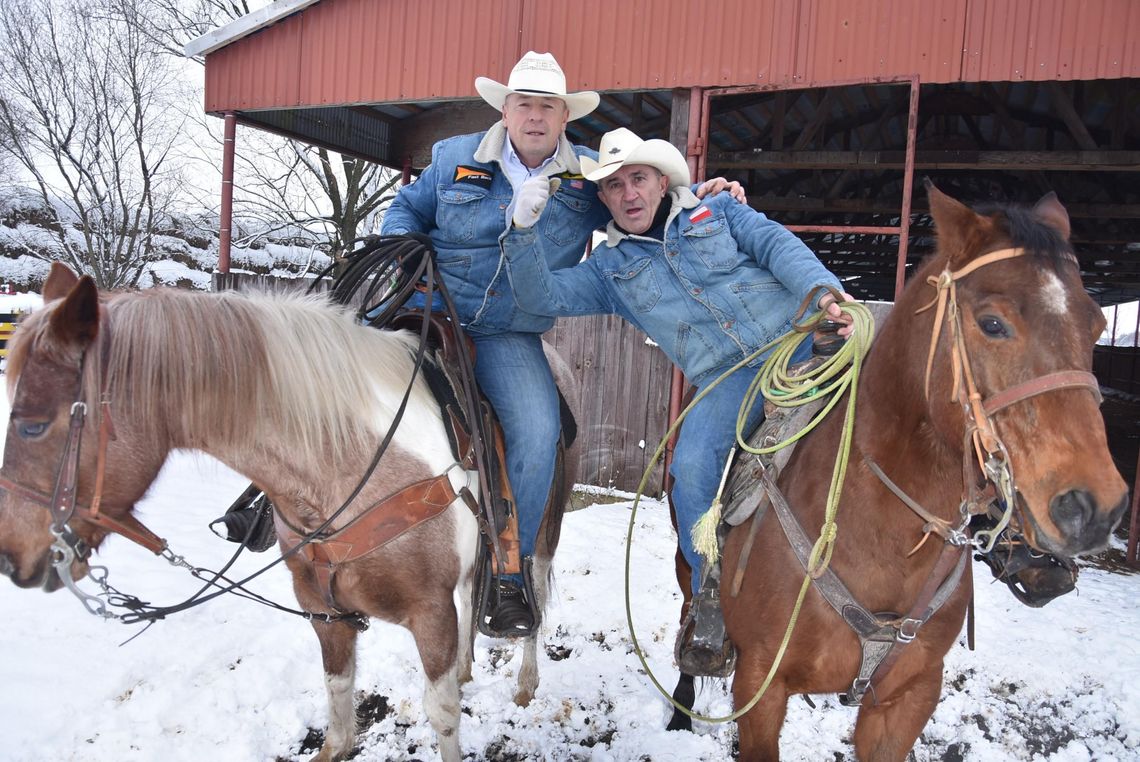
414, 136
679, 119
1060, 161
819, 205
822, 112
1063, 105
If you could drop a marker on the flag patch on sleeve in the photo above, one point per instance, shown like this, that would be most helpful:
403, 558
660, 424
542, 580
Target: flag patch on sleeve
702, 213
577, 182
472, 176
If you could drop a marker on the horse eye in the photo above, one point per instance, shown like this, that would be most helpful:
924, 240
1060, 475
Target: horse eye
991, 326
32, 429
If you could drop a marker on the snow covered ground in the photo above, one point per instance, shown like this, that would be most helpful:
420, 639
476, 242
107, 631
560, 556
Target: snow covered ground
233, 680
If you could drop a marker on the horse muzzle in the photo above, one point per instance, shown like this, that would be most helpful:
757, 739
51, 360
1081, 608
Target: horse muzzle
1082, 526
42, 574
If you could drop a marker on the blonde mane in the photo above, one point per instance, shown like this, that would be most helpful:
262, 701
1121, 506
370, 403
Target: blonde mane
294, 370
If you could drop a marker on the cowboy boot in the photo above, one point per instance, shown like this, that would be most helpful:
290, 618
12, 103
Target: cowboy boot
703, 648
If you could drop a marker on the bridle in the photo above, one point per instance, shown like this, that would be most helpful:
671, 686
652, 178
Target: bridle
981, 433
882, 647
63, 503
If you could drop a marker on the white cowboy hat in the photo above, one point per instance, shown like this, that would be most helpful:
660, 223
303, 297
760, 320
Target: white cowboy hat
620, 147
537, 74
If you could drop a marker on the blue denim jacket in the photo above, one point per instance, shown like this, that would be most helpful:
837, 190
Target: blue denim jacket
725, 281
461, 201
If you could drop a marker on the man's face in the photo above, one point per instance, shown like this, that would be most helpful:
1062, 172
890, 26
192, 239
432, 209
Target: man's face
534, 124
632, 194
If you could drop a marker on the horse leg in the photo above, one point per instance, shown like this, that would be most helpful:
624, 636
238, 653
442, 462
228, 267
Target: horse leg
549, 532
685, 694
886, 731
528, 675
436, 632
466, 647
760, 728
338, 652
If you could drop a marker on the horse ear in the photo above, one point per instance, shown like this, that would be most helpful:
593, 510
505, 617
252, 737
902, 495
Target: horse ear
1050, 211
76, 320
957, 224
59, 282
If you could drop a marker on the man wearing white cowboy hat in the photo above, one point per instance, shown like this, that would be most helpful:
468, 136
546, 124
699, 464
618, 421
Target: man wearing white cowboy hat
466, 200
709, 281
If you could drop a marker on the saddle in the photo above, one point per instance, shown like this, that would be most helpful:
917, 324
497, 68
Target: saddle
500, 550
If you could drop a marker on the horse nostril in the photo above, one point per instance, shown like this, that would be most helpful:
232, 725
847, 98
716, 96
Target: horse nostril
1073, 511
6, 566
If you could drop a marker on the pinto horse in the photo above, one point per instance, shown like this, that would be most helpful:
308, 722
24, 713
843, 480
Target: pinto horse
983, 363
293, 393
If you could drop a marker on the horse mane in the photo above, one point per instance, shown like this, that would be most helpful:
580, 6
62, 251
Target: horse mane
251, 368
1026, 230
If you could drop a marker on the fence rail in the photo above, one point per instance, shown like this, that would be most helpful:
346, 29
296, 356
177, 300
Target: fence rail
624, 383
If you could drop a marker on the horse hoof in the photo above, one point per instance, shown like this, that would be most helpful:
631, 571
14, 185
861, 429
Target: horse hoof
680, 721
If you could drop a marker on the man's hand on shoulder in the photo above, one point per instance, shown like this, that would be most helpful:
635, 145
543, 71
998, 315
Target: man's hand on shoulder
718, 184
531, 200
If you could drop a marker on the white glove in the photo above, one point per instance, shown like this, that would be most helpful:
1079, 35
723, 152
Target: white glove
531, 200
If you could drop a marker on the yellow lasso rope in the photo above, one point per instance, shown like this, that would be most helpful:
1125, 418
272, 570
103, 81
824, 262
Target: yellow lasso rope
838, 374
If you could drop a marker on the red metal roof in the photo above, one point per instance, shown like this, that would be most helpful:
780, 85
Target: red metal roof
338, 52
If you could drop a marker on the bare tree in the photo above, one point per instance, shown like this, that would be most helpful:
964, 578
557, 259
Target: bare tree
281, 186
306, 188
84, 111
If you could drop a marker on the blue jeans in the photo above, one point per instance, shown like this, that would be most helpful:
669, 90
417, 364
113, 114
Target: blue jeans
706, 438
513, 373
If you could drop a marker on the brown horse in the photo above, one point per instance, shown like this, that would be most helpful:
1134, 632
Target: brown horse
293, 393
1004, 380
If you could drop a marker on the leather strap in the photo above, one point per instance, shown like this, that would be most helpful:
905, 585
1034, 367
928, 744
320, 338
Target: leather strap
878, 657
1065, 379
378, 525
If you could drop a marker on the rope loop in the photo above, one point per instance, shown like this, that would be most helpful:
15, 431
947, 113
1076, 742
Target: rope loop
778, 385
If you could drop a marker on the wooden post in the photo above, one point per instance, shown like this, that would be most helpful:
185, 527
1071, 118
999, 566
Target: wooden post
227, 211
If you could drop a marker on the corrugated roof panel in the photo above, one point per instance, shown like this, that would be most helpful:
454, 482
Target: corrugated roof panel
1051, 39
258, 72
617, 46
888, 39
371, 51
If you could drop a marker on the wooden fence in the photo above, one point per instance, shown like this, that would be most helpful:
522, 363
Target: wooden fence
624, 390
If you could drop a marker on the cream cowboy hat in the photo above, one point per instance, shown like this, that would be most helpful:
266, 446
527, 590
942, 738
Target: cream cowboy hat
620, 147
537, 74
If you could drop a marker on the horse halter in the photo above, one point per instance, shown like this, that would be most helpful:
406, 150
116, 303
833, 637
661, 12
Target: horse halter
980, 429
63, 505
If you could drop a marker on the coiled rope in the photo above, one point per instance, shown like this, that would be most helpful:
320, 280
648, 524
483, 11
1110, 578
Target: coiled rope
780, 386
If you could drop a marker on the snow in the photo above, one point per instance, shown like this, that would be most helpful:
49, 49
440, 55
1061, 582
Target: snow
233, 680
1122, 325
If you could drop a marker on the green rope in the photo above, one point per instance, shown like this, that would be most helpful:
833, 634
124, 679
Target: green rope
838, 374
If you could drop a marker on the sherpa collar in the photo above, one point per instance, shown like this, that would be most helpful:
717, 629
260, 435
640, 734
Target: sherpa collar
491, 150
680, 198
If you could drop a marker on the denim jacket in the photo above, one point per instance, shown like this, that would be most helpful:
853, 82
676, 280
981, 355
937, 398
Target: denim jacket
725, 281
462, 199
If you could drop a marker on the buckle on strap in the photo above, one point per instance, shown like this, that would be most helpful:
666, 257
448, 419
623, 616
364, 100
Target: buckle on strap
908, 630
854, 695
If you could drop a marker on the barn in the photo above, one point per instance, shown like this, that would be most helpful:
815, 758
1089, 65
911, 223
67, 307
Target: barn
828, 111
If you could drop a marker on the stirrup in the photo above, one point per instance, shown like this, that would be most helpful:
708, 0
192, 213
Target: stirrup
488, 591
703, 648
249, 521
